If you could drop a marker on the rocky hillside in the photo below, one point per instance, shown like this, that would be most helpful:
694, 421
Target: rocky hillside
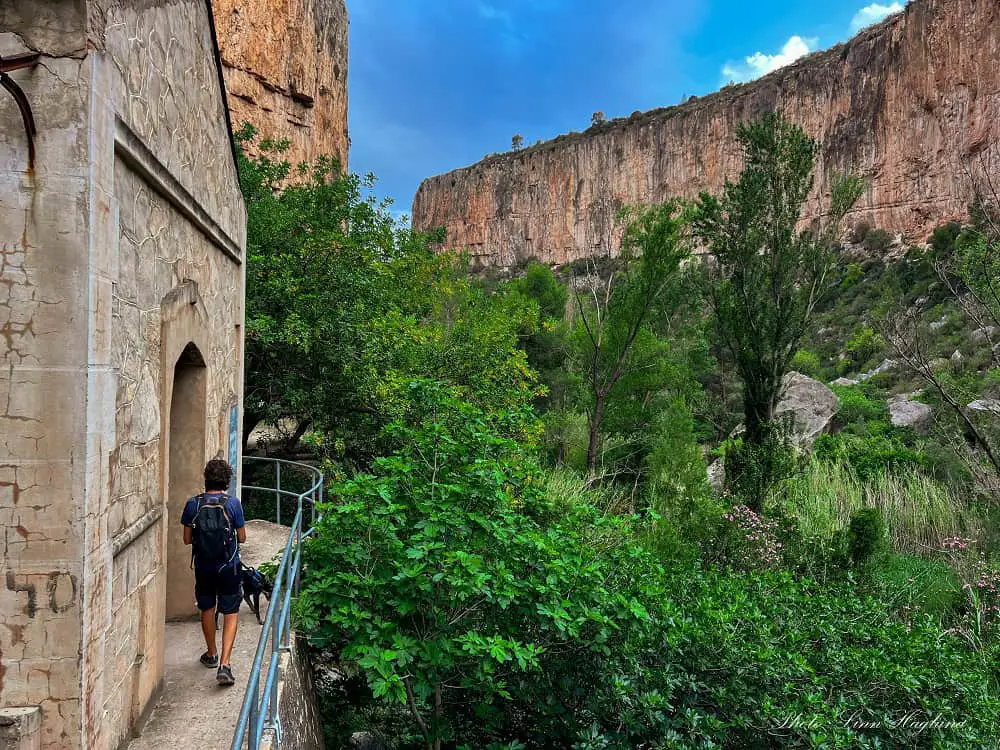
909, 104
285, 64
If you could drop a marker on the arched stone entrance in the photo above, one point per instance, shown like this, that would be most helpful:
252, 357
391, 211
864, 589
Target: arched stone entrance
185, 464
183, 411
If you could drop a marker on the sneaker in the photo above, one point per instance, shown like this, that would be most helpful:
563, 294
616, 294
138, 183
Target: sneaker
225, 675
209, 661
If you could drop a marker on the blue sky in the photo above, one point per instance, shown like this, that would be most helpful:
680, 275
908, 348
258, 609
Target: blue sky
438, 84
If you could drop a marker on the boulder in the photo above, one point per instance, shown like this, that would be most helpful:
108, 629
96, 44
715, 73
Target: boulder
844, 381
811, 406
904, 412
985, 406
367, 741
717, 476
884, 366
983, 335
939, 323
939, 363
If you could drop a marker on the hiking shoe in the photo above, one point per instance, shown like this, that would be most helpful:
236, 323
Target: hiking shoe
225, 675
209, 661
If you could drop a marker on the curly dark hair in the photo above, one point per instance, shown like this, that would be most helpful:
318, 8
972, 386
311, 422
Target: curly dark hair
218, 473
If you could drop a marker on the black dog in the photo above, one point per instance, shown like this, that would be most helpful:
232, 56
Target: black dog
255, 583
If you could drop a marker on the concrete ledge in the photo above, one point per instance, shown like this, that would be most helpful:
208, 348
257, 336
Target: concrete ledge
124, 538
21, 728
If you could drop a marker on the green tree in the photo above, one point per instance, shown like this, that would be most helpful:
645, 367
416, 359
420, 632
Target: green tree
548, 345
767, 277
312, 251
345, 307
435, 575
615, 314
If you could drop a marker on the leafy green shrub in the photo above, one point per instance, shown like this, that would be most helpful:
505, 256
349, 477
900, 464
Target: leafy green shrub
872, 450
944, 239
865, 535
859, 403
435, 576
865, 344
806, 362
854, 273
540, 284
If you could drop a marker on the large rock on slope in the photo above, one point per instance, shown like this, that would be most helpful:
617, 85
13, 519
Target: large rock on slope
903, 412
811, 406
907, 104
285, 65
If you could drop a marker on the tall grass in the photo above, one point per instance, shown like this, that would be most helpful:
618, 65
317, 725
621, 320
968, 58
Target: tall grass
919, 512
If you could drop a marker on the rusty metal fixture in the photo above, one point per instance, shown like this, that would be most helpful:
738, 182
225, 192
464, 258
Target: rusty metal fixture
7, 64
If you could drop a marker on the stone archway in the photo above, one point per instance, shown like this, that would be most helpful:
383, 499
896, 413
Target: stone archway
183, 444
184, 472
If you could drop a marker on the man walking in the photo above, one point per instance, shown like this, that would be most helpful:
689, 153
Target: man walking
214, 526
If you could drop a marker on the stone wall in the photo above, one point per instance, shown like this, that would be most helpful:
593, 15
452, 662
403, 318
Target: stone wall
44, 297
122, 254
286, 71
910, 104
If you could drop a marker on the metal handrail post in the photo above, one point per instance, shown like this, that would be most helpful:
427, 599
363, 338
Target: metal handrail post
298, 556
253, 740
277, 494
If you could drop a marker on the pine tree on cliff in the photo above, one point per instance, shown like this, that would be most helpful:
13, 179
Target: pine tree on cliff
766, 279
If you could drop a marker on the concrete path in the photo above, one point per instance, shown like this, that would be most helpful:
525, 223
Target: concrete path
193, 711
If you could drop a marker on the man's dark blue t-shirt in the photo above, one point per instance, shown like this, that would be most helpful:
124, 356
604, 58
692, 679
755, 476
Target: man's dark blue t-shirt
234, 509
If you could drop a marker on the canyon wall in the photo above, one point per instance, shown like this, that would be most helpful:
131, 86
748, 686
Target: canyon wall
285, 65
912, 104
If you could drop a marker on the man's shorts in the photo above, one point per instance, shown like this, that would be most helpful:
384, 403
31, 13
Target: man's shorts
218, 586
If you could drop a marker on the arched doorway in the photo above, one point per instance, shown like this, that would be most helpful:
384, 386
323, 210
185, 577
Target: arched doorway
185, 463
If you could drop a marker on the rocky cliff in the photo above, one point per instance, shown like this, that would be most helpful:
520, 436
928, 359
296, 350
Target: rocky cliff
285, 65
911, 104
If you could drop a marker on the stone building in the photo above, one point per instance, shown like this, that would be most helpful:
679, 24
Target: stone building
122, 233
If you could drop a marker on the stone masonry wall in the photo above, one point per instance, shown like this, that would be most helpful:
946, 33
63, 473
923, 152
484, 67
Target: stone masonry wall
43, 379
166, 92
911, 105
121, 245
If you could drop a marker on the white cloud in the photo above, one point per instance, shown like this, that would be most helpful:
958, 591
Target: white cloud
759, 64
492, 13
873, 14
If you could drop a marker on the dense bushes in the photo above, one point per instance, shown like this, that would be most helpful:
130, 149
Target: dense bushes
486, 614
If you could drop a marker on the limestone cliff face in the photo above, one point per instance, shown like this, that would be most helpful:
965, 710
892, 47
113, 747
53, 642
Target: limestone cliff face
911, 104
285, 65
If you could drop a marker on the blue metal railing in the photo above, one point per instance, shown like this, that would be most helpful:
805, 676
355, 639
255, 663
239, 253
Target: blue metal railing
259, 713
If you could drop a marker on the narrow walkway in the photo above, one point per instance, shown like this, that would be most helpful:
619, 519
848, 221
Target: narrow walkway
193, 710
